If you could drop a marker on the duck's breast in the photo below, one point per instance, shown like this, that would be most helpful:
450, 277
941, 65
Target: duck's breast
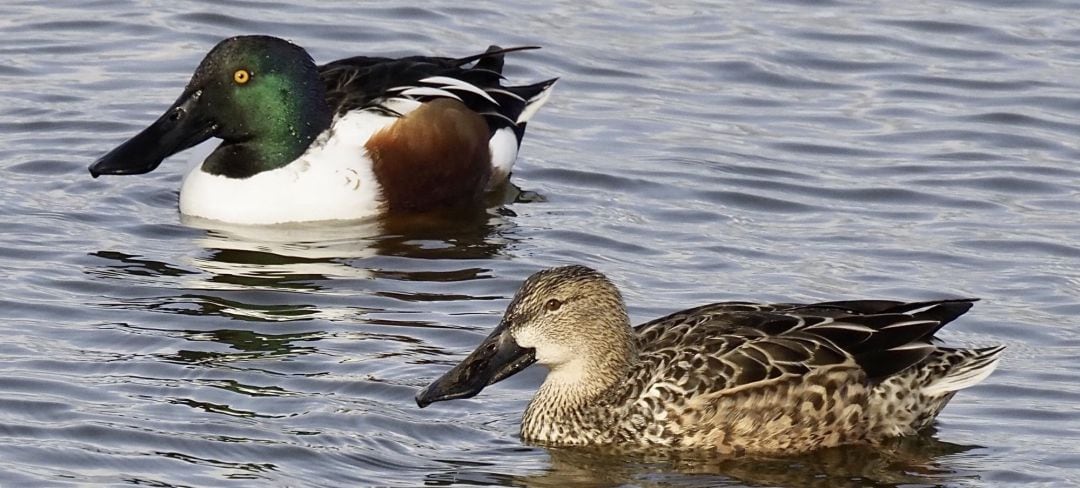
333, 180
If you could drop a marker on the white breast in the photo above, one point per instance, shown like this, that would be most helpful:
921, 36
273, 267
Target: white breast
333, 180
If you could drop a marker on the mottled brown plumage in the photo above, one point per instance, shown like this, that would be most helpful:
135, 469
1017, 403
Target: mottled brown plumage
735, 377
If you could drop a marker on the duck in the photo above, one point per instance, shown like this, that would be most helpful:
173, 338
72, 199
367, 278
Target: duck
351, 139
731, 377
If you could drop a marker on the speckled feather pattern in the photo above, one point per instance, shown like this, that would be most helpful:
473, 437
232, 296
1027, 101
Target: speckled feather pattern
743, 377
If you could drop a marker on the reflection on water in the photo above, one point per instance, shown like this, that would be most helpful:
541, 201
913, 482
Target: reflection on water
224, 276
302, 257
914, 461
127, 264
297, 254
208, 305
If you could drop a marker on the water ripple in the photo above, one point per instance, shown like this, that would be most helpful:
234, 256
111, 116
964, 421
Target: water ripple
695, 152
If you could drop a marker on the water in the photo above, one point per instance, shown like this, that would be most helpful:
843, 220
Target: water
694, 153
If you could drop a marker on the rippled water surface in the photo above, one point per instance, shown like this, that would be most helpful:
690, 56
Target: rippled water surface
696, 152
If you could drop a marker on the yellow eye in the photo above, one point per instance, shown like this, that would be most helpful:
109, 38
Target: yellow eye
241, 76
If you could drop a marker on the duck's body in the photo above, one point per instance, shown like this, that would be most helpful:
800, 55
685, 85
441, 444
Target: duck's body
355, 138
735, 377
745, 377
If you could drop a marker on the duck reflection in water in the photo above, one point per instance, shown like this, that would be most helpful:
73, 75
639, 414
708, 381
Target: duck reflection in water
240, 273
920, 460
304, 256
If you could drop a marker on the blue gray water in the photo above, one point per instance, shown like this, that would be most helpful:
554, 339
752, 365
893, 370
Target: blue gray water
698, 152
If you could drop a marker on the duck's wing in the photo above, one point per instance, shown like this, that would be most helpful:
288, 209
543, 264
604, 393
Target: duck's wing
368, 82
735, 345
790, 377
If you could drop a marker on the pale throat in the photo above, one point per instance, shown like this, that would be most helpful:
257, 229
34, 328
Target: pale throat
574, 375
577, 377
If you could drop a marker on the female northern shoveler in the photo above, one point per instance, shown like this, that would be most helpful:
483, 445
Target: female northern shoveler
736, 377
350, 139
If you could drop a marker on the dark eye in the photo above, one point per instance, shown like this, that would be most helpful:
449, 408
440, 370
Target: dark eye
552, 305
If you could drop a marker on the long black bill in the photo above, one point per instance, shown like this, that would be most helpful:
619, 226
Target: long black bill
181, 127
496, 359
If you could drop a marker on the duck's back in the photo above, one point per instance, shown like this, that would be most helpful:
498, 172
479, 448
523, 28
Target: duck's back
367, 81
789, 377
361, 81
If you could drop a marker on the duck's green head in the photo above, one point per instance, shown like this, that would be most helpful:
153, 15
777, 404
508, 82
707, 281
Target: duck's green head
261, 95
568, 318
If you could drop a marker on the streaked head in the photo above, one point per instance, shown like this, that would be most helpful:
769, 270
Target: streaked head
568, 318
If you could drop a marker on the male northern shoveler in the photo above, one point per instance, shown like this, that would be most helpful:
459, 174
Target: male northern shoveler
346, 140
736, 377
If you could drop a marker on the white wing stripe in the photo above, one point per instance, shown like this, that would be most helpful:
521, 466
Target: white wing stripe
452, 83
427, 91
909, 323
534, 104
912, 346
505, 92
921, 309
842, 326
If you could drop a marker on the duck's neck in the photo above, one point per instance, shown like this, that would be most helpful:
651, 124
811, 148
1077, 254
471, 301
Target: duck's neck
568, 408
275, 139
